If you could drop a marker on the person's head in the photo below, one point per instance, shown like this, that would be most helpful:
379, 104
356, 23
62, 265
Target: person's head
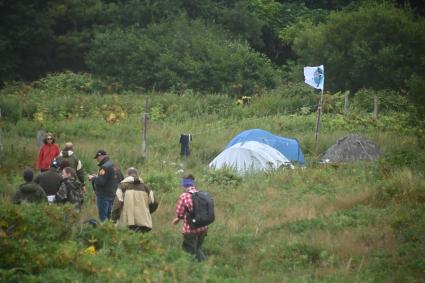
100, 155
188, 181
49, 138
28, 175
132, 172
68, 146
68, 172
63, 164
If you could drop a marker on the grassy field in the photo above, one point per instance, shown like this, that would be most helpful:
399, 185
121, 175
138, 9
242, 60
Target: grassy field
360, 222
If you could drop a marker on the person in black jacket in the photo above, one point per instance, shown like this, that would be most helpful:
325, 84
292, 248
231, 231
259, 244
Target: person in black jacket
29, 191
50, 180
105, 184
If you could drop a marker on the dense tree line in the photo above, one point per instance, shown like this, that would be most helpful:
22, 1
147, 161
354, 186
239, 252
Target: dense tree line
216, 46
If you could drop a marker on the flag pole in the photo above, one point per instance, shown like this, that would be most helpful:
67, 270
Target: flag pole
319, 112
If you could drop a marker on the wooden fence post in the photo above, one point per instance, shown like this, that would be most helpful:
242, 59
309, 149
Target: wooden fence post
346, 103
144, 134
319, 112
375, 107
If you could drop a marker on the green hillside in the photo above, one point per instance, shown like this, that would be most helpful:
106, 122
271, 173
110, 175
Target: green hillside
348, 223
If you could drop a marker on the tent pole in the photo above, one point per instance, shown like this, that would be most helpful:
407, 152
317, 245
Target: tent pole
319, 111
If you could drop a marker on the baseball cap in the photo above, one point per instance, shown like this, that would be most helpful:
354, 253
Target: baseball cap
54, 163
100, 152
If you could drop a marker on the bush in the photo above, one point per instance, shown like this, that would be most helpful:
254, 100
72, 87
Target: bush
68, 82
162, 181
32, 234
47, 241
179, 55
223, 177
389, 101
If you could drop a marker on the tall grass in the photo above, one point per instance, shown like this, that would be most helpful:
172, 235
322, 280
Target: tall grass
317, 224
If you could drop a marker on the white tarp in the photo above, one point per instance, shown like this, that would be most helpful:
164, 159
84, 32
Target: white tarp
315, 76
250, 155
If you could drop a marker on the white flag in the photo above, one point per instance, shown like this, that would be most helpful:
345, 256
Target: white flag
315, 76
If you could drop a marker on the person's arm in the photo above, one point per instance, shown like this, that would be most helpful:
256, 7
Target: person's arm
57, 151
102, 178
116, 209
118, 203
153, 203
42, 194
80, 175
180, 209
61, 195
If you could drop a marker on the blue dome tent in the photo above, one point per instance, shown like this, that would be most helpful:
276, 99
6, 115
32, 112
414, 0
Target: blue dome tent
290, 148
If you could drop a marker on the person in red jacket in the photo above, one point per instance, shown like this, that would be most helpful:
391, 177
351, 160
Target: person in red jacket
48, 151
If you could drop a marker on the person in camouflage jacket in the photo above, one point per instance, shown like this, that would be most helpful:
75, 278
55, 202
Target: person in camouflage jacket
29, 191
73, 161
70, 190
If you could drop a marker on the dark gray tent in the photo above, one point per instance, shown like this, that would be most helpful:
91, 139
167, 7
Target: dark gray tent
352, 147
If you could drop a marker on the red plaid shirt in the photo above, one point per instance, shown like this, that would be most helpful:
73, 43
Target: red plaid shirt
185, 201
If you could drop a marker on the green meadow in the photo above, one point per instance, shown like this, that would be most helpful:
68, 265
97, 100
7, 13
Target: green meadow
358, 222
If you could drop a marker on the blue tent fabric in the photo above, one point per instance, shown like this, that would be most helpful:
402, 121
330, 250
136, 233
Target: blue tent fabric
290, 148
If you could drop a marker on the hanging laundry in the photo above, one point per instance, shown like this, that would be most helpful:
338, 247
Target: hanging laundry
185, 139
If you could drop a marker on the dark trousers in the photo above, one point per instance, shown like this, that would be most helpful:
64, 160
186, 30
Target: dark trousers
192, 243
141, 229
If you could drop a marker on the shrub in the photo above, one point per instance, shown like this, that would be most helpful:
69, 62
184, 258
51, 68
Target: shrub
223, 176
68, 83
389, 101
32, 234
162, 181
177, 55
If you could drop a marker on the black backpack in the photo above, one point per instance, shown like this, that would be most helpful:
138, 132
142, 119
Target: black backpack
203, 210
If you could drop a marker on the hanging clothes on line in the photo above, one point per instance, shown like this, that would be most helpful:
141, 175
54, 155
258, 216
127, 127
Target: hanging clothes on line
185, 139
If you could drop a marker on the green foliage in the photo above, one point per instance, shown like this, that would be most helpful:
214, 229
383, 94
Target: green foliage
376, 46
179, 55
162, 181
27, 229
388, 101
347, 223
48, 242
290, 98
358, 216
416, 87
223, 177
68, 83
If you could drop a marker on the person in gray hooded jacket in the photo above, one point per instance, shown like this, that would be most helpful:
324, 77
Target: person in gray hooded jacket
74, 162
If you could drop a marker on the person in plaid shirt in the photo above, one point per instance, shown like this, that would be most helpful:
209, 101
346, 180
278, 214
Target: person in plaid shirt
192, 237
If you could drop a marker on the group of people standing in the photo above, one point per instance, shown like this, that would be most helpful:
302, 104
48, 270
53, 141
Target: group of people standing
127, 201
61, 177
